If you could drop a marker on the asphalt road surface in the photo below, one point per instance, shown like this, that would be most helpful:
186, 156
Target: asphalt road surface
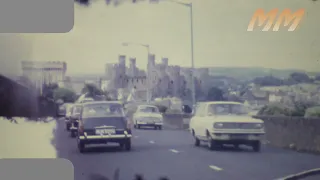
171, 153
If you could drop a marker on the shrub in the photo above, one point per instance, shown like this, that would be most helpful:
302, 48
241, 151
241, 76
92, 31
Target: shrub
276, 109
313, 112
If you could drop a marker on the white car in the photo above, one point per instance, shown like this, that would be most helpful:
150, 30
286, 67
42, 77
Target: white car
220, 122
146, 116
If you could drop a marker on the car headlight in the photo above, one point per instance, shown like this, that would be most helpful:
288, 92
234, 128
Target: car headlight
259, 125
158, 120
218, 125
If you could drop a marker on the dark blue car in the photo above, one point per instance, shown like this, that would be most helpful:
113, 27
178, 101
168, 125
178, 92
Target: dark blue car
103, 122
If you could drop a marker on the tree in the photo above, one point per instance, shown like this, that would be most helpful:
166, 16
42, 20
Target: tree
65, 94
215, 94
91, 90
268, 81
234, 98
47, 90
300, 77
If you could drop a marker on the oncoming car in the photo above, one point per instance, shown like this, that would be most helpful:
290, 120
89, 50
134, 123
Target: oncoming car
219, 123
103, 122
63, 109
74, 119
148, 115
68, 116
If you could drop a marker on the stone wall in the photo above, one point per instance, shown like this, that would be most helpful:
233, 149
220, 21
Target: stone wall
302, 134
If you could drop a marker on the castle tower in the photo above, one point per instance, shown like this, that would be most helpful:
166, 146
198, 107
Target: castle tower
122, 60
151, 60
133, 67
165, 62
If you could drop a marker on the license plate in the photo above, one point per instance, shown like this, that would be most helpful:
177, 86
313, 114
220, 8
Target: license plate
238, 136
105, 131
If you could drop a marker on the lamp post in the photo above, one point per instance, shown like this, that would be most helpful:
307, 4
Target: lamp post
147, 46
189, 5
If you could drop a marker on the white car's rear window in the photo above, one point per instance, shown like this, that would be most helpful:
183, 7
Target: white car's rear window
226, 109
148, 109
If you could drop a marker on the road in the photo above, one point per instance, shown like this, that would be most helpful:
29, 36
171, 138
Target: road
171, 153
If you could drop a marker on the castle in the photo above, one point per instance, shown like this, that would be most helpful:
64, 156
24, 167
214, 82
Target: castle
164, 80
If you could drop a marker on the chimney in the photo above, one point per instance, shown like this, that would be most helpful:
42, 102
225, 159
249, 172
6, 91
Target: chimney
122, 60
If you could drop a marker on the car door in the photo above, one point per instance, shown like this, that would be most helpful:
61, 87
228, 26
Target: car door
202, 120
193, 119
195, 122
207, 120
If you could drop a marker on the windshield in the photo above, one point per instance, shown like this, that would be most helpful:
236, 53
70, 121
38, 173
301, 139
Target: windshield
117, 122
227, 109
148, 109
102, 110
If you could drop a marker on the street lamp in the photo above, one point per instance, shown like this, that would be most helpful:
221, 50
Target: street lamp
189, 5
147, 46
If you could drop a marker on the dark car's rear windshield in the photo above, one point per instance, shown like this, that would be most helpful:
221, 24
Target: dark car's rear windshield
117, 122
102, 110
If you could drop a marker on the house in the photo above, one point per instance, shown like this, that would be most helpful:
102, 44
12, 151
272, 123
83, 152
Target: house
276, 96
256, 97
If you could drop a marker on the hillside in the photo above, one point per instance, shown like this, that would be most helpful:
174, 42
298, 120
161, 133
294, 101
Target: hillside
244, 73
252, 72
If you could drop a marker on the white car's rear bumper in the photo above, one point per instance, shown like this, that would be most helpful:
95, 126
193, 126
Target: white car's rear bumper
149, 123
237, 136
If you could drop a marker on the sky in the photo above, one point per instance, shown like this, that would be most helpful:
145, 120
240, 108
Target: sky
220, 37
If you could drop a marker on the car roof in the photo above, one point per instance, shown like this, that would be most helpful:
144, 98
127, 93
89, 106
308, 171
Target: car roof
147, 105
102, 102
223, 102
76, 104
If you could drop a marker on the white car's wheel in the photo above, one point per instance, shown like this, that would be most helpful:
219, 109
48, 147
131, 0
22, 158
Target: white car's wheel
210, 142
196, 140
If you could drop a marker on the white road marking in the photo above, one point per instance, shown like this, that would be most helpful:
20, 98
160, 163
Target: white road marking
215, 168
136, 136
151, 142
173, 150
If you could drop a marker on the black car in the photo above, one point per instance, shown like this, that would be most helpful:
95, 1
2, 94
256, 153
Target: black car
103, 122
